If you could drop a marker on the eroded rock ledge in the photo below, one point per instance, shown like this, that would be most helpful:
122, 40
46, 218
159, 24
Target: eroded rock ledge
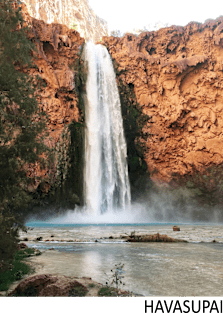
177, 74
57, 63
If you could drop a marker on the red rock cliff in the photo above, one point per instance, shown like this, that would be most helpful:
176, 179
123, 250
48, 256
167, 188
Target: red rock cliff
56, 60
75, 14
177, 73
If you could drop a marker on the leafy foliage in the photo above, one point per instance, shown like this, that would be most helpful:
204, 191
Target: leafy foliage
138, 31
22, 125
116, 275
150, 27
209, 20
78, 291
107, 292
206, 186
74, 26
116, 33
133, 122
16, 270
21, 122
8, 241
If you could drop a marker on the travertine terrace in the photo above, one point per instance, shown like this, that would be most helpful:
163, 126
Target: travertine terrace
178, 81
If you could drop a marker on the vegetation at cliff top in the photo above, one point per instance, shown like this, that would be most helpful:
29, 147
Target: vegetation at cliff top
138, 31
22, 124
154, 27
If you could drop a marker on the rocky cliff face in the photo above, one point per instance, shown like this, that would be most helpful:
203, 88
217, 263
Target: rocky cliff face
75, 14
57, 63
173, 75
177, 76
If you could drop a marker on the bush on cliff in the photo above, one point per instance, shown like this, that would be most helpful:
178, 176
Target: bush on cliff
133, 122
205, 186
22, 124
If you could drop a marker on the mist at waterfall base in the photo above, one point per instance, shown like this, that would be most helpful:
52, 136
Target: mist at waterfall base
134, 215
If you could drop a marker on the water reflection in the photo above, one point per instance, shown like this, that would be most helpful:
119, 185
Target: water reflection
154, 269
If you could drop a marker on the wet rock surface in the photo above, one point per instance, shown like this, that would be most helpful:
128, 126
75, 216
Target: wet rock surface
190, 233
152, 238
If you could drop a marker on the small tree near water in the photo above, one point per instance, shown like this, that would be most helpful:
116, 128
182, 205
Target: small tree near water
116, 276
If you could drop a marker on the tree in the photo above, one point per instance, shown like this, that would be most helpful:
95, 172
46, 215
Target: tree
21, 122
116, 33
137, 31
150, 27
8, 240
22, 125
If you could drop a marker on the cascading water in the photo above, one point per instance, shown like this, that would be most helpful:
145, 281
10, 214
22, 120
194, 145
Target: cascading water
106, 173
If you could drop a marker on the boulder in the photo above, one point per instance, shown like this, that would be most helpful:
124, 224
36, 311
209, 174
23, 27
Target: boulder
39, 238
176, 228
48, 285
22, 246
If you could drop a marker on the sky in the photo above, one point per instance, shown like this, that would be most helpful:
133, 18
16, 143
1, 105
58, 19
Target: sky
126, 15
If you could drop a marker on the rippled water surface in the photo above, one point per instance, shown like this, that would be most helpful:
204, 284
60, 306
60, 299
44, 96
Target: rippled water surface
151, 269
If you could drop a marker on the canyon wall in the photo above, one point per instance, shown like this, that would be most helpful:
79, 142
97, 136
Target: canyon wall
57, 65
75, 14
177, 77
170, 83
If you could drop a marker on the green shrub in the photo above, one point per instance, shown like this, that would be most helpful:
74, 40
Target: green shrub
78, 291
17, 269
107, 292
8, 241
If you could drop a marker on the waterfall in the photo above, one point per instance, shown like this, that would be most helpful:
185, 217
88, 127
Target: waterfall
106, 182
37, 10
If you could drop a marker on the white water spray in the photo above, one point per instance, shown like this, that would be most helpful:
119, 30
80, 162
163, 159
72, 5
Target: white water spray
106, 182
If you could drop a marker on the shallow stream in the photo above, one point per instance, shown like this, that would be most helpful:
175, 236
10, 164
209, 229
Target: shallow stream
150, 269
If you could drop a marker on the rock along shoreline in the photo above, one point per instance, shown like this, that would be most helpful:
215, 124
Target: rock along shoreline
40, 283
